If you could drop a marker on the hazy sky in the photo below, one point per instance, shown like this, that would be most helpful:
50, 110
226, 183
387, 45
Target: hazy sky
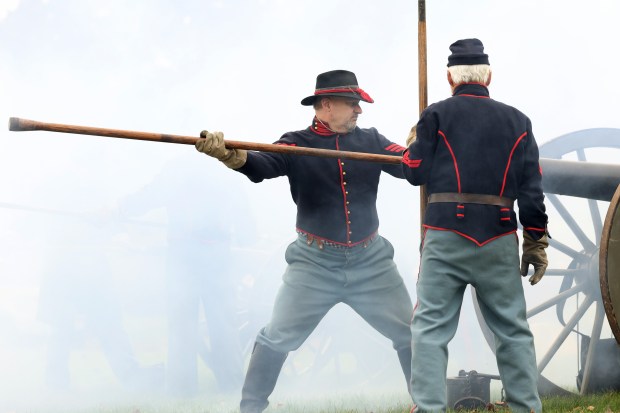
242, 66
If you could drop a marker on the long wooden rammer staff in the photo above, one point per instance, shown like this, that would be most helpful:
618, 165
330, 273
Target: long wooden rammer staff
18, 124
423, 89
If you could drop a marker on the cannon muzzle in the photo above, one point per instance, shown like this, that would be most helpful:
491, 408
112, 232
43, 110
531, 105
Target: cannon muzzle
580, 179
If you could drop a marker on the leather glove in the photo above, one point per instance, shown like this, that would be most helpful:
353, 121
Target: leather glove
213, 145
412, 136
534, 253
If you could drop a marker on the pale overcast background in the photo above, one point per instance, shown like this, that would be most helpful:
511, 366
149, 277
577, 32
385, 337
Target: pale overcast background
242, 67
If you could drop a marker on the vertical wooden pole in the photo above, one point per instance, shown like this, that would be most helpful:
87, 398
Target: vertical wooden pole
423, 88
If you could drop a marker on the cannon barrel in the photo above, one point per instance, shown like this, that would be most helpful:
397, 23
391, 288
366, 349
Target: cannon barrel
580, 179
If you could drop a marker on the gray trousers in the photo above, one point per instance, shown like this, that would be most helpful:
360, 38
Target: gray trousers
449, 262
365, 278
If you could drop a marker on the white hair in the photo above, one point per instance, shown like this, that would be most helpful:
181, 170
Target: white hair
469, 73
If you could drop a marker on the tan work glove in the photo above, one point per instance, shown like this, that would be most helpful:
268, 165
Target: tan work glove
412, 136
213, 145
534, 253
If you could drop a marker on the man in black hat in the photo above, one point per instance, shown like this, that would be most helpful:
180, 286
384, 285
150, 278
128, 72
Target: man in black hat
338, 256
476, 157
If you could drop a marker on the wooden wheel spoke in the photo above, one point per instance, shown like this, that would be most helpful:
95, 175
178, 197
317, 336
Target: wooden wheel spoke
563, 296
597, 222
559, 272
555, 346
581, 154
594, 339
565, 249
572, 224
592, 204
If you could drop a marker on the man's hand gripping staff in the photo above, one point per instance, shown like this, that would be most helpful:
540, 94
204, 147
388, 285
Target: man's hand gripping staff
412, 136
213, 145
534, 253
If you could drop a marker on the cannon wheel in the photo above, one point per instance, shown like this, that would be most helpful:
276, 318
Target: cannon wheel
578, 306
610, 265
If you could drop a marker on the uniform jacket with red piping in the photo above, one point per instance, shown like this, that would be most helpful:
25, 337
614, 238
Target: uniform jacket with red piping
470, 143
335, 198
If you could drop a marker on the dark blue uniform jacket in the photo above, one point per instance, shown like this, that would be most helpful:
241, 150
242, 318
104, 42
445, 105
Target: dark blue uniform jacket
470, 143
335, 198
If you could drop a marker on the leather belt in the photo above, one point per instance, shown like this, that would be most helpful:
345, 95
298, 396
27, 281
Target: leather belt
322, 242
471, 199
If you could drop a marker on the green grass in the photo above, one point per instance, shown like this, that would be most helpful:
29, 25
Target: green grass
598, 403
605, 403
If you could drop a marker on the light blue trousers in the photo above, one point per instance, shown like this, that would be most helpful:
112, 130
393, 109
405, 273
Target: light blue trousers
365, 278
449, 262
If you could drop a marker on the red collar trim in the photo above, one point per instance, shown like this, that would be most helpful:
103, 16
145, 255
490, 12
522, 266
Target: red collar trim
321, 128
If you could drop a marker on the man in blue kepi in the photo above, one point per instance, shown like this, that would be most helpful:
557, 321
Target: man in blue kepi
476, 156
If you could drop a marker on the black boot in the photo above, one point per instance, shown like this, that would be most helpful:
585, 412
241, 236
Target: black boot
260, 380
404, 356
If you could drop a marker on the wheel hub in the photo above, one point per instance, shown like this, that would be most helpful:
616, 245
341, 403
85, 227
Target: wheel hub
588, 270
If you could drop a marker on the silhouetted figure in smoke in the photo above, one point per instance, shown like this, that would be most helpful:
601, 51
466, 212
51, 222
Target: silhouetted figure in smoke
79, 302
200, 235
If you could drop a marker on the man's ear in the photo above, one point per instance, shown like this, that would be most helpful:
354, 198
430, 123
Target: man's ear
450, 79
326, 103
